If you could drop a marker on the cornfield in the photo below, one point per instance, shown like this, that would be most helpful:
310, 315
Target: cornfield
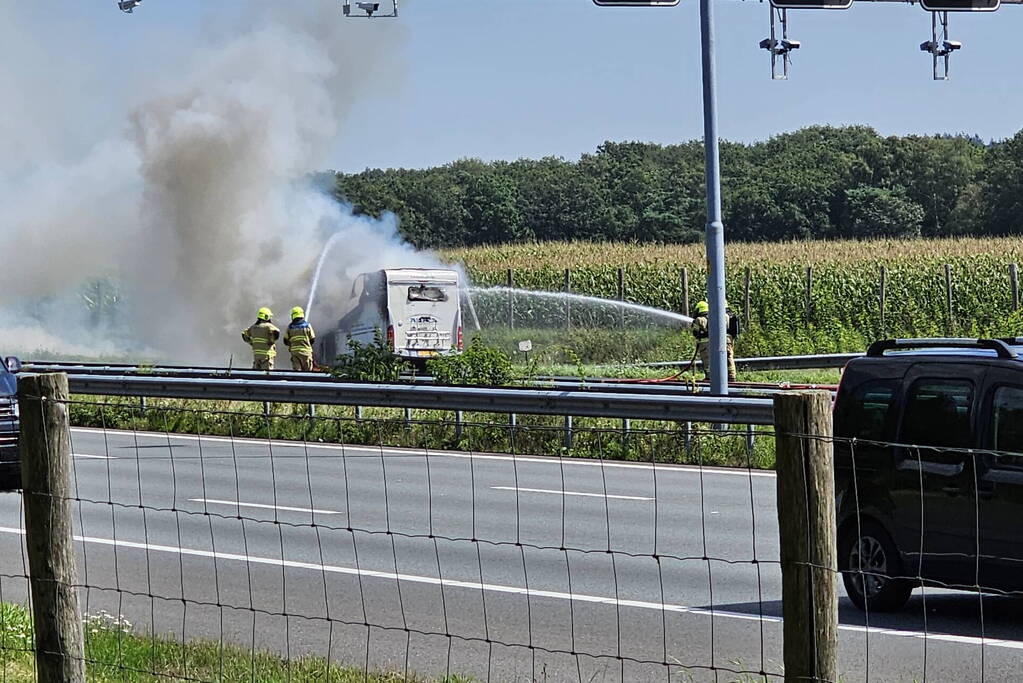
803, 297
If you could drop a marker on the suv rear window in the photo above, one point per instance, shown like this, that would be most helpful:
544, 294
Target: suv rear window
425, 293
1007, 413
938, 414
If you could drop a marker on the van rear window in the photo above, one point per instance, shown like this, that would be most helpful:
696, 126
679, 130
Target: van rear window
866, 413
938, 414
426, 293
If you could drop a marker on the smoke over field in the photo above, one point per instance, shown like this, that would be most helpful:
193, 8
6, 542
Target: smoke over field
197, 201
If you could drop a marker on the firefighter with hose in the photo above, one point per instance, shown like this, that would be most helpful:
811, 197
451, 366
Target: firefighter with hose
262, 336
701, 333
299, 339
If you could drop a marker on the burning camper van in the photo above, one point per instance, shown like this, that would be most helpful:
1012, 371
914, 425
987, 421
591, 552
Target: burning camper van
418, 310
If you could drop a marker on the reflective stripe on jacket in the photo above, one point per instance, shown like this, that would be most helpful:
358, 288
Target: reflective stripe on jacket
262, 336
299, 337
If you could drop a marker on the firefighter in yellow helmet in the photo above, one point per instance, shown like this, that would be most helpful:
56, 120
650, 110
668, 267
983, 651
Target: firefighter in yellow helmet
262, 336
299, 338
701, 332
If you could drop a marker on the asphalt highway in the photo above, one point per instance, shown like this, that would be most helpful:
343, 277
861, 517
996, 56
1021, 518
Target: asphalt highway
500, 568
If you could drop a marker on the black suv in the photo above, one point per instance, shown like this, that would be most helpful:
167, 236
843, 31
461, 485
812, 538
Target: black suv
929, 448
10, 463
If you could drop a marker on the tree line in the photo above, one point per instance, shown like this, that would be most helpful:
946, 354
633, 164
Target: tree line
819, 182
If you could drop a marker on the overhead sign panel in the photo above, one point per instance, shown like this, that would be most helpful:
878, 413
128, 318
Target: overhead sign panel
812, 4
960, 5
636, 3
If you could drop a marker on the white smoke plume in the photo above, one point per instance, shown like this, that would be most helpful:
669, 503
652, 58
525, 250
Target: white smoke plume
200, 204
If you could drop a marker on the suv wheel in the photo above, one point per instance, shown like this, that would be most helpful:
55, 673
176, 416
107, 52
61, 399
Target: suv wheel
871, 560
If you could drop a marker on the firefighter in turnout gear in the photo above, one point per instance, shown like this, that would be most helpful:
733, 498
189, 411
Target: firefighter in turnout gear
701, 332
262, 336
299, 338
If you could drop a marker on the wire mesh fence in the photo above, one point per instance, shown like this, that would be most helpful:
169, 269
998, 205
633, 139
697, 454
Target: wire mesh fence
494, 552
930, 552
379, 559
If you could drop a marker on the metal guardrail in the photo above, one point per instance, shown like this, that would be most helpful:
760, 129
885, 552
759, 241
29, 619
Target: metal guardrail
806, 362
649, 386
163, 370
635, 406
812, 362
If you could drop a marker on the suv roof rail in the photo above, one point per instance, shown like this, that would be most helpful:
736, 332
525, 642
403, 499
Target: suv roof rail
999, 346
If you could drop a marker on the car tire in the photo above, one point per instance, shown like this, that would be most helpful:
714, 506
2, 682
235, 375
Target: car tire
872, 589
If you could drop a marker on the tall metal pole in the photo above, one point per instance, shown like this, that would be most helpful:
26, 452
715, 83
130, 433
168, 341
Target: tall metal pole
715, 226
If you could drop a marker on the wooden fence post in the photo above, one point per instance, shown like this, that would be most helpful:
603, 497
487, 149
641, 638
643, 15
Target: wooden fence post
685, 291
809, 293
882, 294
948, 299
568, 302
1014, 284
511, 299
45, 445
807, 534
745, 297
621, 297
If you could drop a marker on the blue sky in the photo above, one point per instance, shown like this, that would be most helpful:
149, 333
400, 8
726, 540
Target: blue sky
503, 79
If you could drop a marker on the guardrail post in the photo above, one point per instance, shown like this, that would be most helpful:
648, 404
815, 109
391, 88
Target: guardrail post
568, 432
459, 424
45, 445
807, 535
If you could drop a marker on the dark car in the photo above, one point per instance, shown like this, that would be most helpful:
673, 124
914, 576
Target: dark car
10, 462
929, 469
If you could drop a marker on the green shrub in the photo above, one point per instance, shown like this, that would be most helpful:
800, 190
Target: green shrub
372, 362
479, 364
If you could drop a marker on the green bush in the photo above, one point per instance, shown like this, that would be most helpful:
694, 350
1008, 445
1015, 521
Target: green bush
372, 362
479, 364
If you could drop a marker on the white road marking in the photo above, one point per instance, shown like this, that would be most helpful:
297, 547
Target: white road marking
94, 457
554, 460
234, 503
518, 590
569, 493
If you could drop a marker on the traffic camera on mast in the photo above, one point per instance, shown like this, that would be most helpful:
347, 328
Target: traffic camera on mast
368, 9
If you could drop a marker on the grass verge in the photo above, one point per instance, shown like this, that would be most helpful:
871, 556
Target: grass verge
597, 438
115, 653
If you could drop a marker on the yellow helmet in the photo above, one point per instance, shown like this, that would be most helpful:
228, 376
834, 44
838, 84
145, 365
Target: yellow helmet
297, 313
701, 307
264, 314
